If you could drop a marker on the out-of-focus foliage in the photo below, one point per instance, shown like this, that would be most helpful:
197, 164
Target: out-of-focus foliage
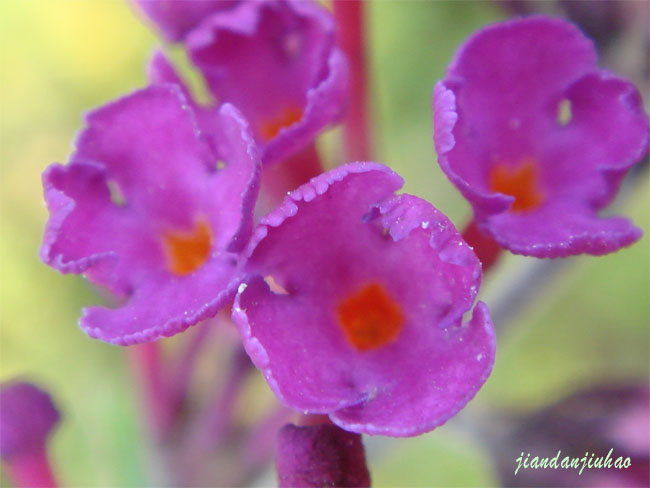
60, 59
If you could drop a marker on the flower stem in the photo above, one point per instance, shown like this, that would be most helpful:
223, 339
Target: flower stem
486, 248
31, 469
287, 175
304, 420
186, 364
259, 444
212, 427
146, 364
349, 15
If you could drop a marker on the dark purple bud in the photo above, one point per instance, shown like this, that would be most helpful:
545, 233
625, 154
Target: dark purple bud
320, 455
27, 416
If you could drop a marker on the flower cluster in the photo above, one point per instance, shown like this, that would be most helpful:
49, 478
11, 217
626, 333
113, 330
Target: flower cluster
156, 206
351, 299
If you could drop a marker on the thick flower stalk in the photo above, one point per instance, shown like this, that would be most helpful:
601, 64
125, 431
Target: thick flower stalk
360, 314
538, 138
148, 210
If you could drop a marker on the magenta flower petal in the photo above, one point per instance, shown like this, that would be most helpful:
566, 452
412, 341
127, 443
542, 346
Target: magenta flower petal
572, 228
363, 320
143, 210
438, 381
537, 138
320, 455
607, 134
27, 417
174, 18
161, 70
277, 62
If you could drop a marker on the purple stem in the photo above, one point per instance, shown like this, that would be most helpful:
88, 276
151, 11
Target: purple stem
211, 428
148, 370
184, 368
216, 421
259, 444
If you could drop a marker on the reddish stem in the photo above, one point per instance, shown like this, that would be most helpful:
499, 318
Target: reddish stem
287, 175
31, 469
486, 248
349, 15
185, 365
212, 427
147, 367
303, 420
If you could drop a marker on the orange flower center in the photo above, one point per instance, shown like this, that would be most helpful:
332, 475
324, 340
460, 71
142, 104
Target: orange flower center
370, 318
186, 252
289, 116
520, 182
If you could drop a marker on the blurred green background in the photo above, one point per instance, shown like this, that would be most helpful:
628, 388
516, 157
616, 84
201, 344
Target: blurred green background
587, 323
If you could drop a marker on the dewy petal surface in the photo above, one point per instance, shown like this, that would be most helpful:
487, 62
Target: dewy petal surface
277, 62
525, 105
146, 148
345, 238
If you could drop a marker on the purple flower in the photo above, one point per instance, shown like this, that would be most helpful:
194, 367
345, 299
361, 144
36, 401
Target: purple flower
277, 62
538, 139
27, 416
176, 18
320, 455
363, 317
146, 209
